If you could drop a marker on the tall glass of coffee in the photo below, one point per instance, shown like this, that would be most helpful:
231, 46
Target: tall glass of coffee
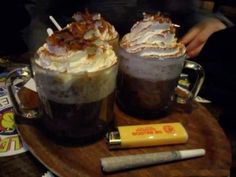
151, 61
75, 75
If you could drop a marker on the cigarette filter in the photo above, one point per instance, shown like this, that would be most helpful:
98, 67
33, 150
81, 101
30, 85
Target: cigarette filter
147, 135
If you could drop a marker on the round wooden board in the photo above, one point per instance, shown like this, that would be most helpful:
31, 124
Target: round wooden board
84, 161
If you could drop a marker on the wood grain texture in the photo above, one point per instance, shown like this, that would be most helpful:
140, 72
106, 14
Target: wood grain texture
84, 161
21, 165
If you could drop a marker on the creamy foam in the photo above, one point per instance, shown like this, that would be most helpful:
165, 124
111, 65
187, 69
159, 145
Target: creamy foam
77, 88
151, 51
89, 59
97, 26
76, 76
153, 37
76, 64
149, 68
71, 52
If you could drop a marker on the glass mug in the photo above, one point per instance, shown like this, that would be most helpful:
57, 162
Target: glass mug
146, 86
74, 107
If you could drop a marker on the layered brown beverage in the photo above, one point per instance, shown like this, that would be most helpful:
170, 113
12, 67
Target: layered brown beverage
75, 73
151, 61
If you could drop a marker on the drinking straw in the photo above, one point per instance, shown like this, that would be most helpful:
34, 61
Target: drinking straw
49, 31
55, 22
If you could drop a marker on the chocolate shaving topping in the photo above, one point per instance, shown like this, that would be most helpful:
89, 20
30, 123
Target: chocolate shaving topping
72, 37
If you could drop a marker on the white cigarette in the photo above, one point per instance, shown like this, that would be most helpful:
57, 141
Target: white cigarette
111, 164
55, 23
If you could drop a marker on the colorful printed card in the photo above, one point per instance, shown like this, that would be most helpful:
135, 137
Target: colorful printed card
10, 142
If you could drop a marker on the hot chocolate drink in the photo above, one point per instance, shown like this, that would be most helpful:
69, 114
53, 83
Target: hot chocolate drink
151, 61
75, 74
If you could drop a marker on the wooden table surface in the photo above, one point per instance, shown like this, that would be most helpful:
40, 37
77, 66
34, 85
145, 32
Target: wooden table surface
204, 132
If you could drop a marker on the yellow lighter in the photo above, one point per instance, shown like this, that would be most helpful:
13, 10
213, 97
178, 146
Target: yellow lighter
147, 135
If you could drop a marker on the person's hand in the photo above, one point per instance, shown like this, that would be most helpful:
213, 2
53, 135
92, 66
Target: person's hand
197, 36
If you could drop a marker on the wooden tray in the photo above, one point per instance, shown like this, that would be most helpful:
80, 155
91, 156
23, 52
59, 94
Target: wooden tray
203, 129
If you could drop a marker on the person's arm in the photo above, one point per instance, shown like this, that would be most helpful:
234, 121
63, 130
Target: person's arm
197, 36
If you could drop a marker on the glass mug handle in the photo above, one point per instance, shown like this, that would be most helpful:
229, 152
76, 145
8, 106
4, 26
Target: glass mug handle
196, 86
15, 81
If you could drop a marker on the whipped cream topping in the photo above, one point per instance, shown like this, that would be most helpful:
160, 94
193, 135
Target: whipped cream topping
153, 37
90, 59
76, 48
96, 26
